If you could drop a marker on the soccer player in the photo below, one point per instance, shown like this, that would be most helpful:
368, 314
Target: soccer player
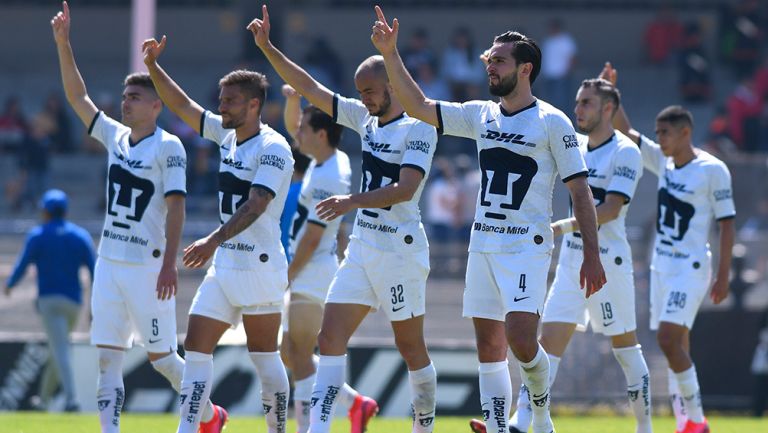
135, 279
387, 259
694, 188
249, 273
615, 166
522, 143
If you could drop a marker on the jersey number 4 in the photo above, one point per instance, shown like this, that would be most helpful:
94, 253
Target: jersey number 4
128, 196
506, 177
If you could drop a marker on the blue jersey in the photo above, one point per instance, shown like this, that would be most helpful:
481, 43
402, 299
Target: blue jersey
286, 219
58, 249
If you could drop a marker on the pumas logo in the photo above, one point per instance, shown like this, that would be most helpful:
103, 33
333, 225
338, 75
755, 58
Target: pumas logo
103, 404
570, 141
132, 163
506, 137
267, 408
540, 401
237, 165
380, 147
633, 395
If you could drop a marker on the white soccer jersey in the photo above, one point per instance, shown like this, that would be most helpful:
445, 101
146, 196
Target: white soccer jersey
401, 142
262, 160
615, 167
520, 154
688, 198
140, 176
332, 177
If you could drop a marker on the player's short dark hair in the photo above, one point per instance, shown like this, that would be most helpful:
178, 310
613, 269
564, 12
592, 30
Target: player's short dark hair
677, 116
140, 79
252, 84
318, 119
605, 90
300, 161
524, 50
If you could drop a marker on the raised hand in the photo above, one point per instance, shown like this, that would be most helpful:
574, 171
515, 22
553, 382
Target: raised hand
290, 92
383, 36
60, 24
152, 50
609, 73
260, 28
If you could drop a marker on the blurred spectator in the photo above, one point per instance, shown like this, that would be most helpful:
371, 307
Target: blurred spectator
60, 127
443, 200
323, 63
558, 53
757, 222
470, 188
58, 249
201, 154
694, 67
461, 67
13, 125
759, 368
744, 110
433, 86
33, 166
662, 36
718, 140
761, 81
418, 53
745, 36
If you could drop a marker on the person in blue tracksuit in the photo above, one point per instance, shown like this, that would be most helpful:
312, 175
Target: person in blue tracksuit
58, 248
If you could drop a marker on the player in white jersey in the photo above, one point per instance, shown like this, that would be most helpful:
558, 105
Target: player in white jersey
135, 279
249, 273
313, 248
694, 188
387, 259
522, 143
615, 167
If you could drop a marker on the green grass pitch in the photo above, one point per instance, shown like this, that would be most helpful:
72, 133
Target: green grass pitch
34, 422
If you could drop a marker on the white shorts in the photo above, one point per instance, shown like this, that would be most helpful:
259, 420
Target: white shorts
372, 277
611, 311
227, 294
500, 283
675, 298
315, 278
124, 304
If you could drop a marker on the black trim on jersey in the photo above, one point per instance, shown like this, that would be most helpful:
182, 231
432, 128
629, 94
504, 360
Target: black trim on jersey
439, 113
132, 144
265, 188
202, 123
316, 222
415, 167
627, 198
508, 114
729, 217
677, 167
93, 122
401, 116
575, 175
335, 109
602, 144
176, 192
240, 143
639, 141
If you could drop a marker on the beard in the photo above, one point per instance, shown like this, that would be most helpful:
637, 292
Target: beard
589, 126
384, 107
506, 86
233, 122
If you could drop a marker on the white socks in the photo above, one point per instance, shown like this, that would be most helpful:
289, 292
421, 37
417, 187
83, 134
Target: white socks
638, 384
423, 385
274, 388
195, 390
172, 368
535, 374
521, 419
495, 395
328, 383
554, 365
678, 408
689, 389
110, 393
302, 393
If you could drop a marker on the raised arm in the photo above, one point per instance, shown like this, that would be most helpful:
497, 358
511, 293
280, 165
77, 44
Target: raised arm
620, 119
409, 94
172, 95
291, 110
74, 86
592, 275
317, 94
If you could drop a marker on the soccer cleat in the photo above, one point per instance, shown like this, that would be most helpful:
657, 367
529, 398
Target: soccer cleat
477, 426
362, 410
696, 427
217, 423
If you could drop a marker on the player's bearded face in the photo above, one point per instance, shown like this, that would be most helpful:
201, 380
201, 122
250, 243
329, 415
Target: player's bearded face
382, 107
502, 85
233, 107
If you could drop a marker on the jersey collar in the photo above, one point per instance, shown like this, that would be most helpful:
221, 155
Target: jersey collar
240, 143
132, 144
381, 125
508, 114
602, 144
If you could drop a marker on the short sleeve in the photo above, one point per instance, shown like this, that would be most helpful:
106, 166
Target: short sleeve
653, 157
275, 165
565, 147
420, 147
459, 119
212, 128
627, 169
349, 112
174, 166
107, 130
721, 193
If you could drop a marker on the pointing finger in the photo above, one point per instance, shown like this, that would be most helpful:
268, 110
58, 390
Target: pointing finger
65, 6
265, 13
